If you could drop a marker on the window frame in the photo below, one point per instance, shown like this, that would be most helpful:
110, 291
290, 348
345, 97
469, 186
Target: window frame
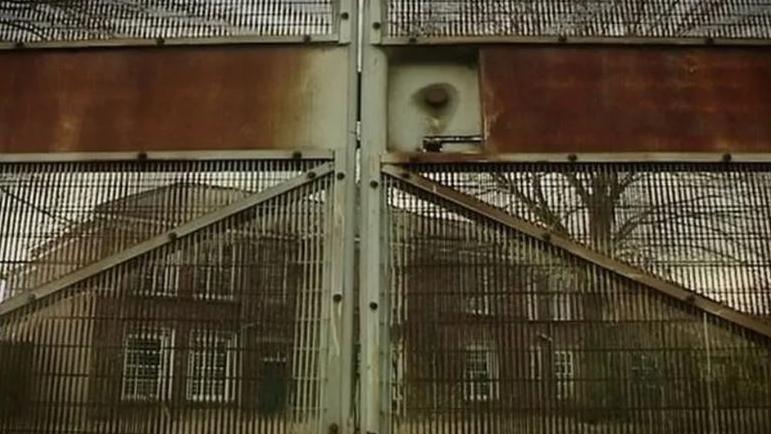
197, 352
209, 266
480, 302
564, 382
470, 385
562, 307
164, 378
531, 302
165, 276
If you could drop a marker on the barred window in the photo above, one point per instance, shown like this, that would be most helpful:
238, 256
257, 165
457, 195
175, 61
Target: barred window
481, 373
531, 300
147, 365
159, 278
563, 307
479, 302
216, 272
211, 366
564, 374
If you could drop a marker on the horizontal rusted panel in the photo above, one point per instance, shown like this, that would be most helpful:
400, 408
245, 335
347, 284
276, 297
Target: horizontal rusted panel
182, 98
609, 99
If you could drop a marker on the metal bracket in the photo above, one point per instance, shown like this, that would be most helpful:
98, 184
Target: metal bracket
21, 300
578, 250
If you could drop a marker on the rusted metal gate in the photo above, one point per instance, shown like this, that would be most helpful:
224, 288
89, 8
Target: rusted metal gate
175, 182
572, 227
562, 223
168, 296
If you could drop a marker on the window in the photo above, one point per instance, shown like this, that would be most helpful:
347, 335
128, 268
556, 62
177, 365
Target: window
531, 300
478, 303
535, 362
564, 374
211, 366
216, 272
159, 278
147, 365
480, 373
562, 308
532, 306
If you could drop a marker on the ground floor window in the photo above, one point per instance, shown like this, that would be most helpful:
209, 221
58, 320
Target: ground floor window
147, 363
211, 366
480, 373
564, 374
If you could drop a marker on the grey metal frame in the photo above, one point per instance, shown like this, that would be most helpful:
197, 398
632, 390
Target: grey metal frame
570, 40
167, 155
557, 157
132, 42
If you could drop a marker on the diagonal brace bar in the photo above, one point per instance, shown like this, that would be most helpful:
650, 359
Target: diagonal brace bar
562, 242
19, 301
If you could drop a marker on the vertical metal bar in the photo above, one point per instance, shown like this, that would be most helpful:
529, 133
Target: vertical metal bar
374, 346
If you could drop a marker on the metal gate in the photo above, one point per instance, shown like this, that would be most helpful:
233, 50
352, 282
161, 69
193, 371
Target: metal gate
182, 249
568, 297
170, 296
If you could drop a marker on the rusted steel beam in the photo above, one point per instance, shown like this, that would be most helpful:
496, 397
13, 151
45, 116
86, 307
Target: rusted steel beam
172, 98
562, 40
626, 99
580, 251
562, 157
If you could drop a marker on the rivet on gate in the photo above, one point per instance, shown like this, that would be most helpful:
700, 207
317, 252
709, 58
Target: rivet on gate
340, 175
311, 175
344, 16
337, 298
373, 306
374, 184
573, 158
172, 236
297, 155
727, 157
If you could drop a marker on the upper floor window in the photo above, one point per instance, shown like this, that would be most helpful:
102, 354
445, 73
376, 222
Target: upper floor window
159, 276
479, 301
563, 306
480, 373
531, 302
211, 366
564, 374
216, 271
147, 361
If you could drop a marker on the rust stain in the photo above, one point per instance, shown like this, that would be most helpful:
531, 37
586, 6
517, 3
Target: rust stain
140, 99
630, 99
